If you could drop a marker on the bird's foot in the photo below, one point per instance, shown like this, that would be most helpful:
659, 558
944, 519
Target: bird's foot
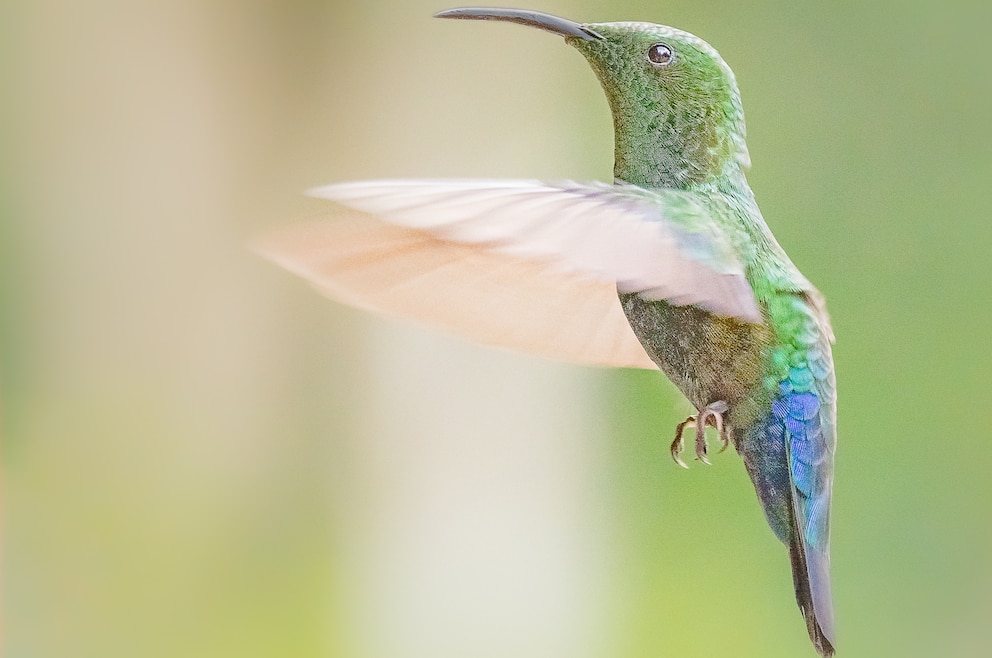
712, 415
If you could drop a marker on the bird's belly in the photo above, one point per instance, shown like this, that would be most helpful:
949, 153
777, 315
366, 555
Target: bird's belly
708, 357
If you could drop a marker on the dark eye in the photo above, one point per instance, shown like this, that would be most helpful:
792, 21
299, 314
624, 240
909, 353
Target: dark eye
660, 55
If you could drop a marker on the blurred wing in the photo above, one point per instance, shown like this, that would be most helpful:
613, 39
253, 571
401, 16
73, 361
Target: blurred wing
518, 264
659, 243
529, 306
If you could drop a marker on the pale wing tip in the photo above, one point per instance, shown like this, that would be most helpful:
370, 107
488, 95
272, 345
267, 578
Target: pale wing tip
276, 246
739, 301
750, 312
404, 186
263, 244
351, 189
320, 192
336, 191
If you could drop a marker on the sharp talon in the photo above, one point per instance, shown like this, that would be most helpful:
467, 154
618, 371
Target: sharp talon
677, 443
712, 415
676, 449
701, 437
724, 438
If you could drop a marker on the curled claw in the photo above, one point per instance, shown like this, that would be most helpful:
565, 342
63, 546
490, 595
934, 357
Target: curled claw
677, 443
712, 415
724, 438
701, 448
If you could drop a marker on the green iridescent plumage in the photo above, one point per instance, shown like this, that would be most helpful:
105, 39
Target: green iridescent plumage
680, 126
711, 297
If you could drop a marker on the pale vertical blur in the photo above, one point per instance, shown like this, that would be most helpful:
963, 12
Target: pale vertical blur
206, 457
203, 457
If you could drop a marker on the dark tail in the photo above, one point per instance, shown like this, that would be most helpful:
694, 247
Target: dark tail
767, 463
811, 577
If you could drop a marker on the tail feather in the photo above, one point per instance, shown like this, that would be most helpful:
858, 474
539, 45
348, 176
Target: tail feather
811, 577
767, 463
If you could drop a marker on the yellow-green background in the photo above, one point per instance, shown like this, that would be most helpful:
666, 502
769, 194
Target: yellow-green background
202, 457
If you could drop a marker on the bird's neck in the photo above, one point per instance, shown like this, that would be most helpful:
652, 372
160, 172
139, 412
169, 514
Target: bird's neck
657, 152
669, 168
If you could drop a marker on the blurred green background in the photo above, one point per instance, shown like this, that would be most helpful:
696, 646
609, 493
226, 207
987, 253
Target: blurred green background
202, 457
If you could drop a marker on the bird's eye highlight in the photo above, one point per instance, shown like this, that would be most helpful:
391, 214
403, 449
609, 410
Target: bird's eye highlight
660, 55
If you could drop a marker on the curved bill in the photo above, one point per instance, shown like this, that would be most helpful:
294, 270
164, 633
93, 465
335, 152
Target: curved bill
553, 24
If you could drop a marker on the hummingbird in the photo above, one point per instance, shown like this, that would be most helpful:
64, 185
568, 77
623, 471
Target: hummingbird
670, 266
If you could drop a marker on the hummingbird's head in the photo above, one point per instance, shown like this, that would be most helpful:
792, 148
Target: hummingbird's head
677, 112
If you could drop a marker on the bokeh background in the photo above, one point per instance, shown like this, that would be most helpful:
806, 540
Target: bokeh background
202, 457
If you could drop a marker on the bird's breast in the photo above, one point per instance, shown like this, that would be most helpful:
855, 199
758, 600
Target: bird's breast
708, 357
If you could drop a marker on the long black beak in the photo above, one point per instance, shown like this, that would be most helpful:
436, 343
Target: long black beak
554, 24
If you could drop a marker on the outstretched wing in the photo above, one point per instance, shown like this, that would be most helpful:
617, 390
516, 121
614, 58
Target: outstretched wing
518, 264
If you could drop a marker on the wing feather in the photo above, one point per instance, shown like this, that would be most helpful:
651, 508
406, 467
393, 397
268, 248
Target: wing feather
527, 305
644, 241
520, 264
